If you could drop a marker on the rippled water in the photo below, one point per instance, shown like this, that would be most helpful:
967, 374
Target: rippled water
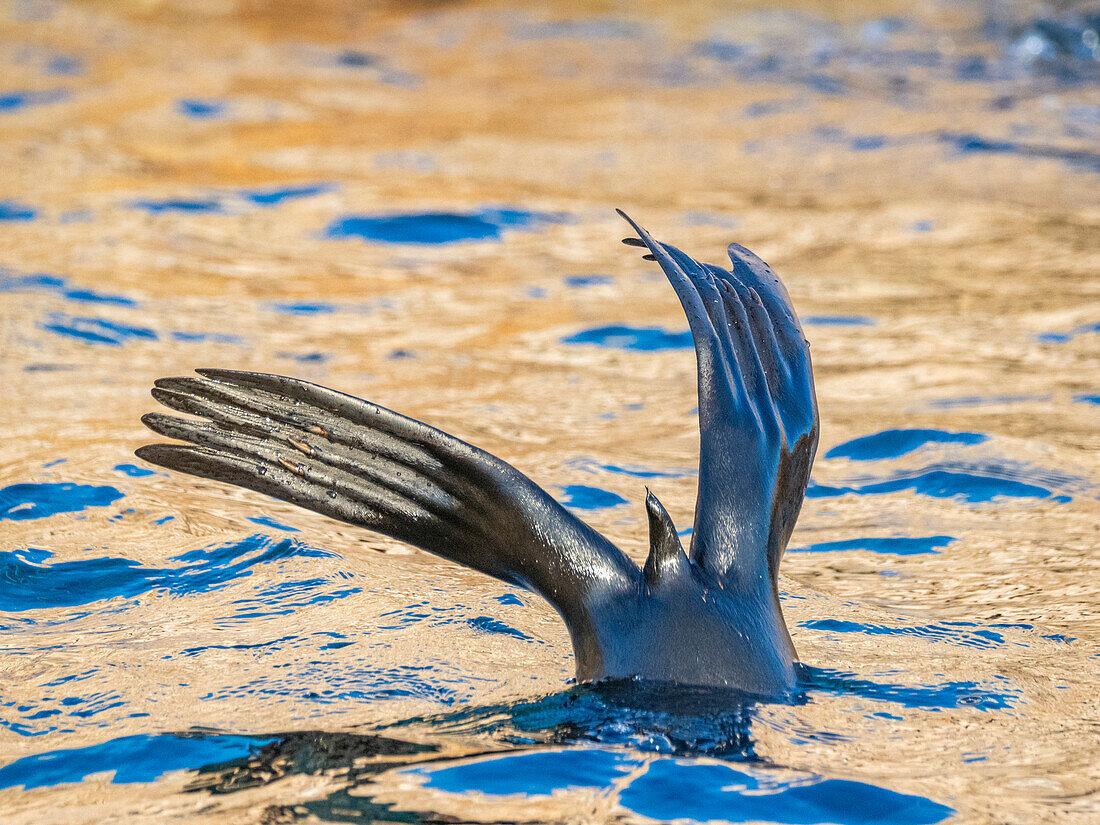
414, 203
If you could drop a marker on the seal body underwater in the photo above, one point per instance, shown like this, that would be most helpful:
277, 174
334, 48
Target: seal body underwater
709, 616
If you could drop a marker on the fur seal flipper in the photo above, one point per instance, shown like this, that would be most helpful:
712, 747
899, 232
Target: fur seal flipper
707, 617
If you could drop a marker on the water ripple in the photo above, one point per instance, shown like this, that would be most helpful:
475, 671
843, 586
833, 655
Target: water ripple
29, 582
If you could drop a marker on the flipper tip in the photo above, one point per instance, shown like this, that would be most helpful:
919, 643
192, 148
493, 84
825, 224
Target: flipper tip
666, 554
632, 222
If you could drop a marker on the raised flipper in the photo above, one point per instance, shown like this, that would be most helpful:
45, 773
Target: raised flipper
712, 620
758, 420
366, 465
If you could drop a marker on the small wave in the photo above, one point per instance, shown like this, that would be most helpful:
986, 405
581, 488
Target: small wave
20, 502
28, 581
435, 227
896, 443
644, 339
896, 545
943, 696
584, 497
142, 758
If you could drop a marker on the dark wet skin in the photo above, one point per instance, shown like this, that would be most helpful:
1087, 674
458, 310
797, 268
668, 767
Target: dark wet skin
707, 617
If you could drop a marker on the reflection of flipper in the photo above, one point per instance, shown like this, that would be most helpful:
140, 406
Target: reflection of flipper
367, 465
713, 619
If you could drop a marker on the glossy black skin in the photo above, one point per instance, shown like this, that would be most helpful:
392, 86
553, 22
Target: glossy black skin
708, 617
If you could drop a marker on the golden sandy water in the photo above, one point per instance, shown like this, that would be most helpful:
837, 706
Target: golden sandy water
864, 182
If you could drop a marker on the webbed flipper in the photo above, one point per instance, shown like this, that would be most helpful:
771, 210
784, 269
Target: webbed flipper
367, 465
758, 421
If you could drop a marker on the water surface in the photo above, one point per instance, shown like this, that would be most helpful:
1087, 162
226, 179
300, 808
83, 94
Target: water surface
414, 204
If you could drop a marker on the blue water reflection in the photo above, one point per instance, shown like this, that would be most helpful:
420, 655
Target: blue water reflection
667, 788
15, 211
968, 144
838, 321
534, 773
966, 634
184, 205
133, 470
11, 281
680, 789
302, 307
276, 195
584, 497
29, 581
430, 228
20, 502
142, 758
619, 336
96, 330
1069, 335
968, 486
583, 281
590, 465
1002, 695
13, 101
896, 545
896, 443
200, 109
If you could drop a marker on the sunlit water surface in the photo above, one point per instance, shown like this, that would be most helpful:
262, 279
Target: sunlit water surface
415, 205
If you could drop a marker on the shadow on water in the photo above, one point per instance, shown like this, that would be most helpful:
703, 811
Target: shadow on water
661, 751
648, 716
664, 751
